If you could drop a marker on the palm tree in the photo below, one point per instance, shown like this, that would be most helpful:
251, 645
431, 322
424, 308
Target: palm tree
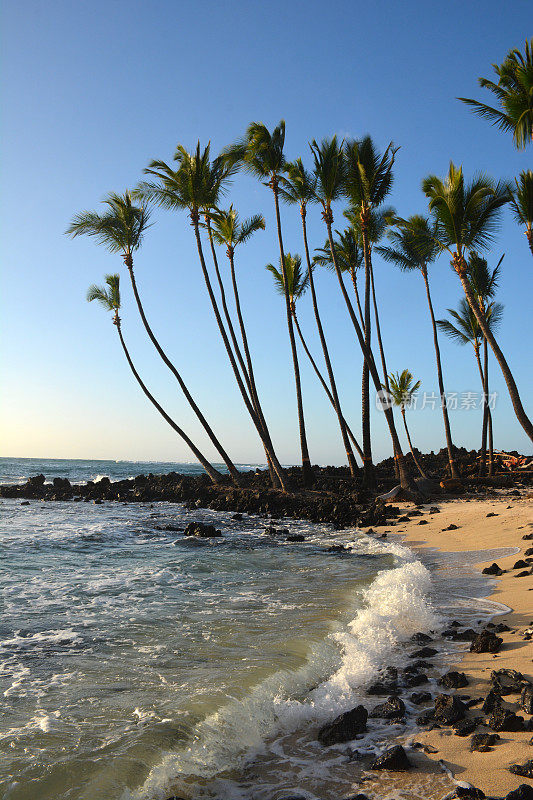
414, 246
465, 329
522, 203
484, 282
328, 157
121, 230
299, 188
466, 215
196, 186
261, 154
401, 390
226, 229
368, 182
109, 298
514, 95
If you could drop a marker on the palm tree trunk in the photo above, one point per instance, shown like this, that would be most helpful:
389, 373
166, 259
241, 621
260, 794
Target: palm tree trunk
459, 265
325, 386
354, 284
421, 471
251, 388
483, 451
213, 473
307, 471
333, 395
447, 430
233, 471
380, 341
405, 480
529, 236
277, 466
489, 415
370, 477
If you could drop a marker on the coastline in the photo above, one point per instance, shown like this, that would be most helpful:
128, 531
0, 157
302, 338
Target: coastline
513, 518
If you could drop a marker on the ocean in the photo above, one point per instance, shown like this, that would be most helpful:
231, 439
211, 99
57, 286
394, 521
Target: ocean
138, 663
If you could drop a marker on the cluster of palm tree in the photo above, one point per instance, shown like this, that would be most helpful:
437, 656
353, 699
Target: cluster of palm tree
461, 221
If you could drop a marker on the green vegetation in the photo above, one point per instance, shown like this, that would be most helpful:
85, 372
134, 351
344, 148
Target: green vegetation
462, 222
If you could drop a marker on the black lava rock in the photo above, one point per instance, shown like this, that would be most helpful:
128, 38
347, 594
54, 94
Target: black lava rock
520, 564
526, 699
296, 537
448, 709
393, 708
421, 638
453, 680
503, 720
424, 652
486, 642
420, 697
201, 530
492, 700
494, 569
395, 759
524, 770
482, 742
465, 727
469, 793
507, 681
345, 727
523, 792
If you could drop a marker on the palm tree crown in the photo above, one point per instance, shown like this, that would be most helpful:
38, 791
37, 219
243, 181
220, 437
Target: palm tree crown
378, 221
466, 328
330, 171
228, 230
297, 281
522, 203
514, 94
259, 151
108, 297
299, 185
402, 388
466, 213
120, 228
483, 280
348, 252
368, 174
413, 243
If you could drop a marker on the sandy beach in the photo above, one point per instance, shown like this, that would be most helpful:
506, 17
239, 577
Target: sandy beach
486, 524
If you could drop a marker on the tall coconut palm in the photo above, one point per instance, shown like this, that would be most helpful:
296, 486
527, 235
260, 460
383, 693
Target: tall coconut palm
522, 204
467, 215
121, 230
484, 282
514, 94
225, 228
299, 188
414, 247
368, 181
328, 157
401, 390
109, 298
465, 329
261, 154
194, 187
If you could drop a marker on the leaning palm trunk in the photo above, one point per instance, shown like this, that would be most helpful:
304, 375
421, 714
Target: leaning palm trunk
459, 266
421, 471
370, 478
405, 481
128, 260
325, 387
333, 395
447, 430
307, 471
487, 416
214, 474
277, 466
380, 343
250, 385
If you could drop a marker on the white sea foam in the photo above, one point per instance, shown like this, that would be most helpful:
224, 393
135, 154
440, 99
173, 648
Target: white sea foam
394, 607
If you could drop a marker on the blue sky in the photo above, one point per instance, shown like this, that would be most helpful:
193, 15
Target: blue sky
92, 92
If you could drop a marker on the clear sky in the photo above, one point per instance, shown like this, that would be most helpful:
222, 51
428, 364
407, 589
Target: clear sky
93, 91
